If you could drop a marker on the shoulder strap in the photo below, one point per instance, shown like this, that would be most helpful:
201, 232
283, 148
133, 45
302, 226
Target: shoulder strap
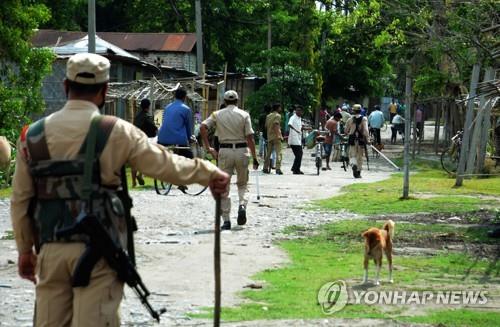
104, 125
37, 142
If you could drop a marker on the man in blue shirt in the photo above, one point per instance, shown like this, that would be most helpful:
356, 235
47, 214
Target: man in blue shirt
376, 121
177, 122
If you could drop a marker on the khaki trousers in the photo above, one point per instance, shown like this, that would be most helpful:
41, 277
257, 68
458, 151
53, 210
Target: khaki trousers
356, 154
231, 160
273, 145
60, 305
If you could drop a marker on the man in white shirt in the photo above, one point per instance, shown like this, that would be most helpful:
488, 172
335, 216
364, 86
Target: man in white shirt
295, 139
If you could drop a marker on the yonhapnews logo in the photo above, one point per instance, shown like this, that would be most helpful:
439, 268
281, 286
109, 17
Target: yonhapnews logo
333, 297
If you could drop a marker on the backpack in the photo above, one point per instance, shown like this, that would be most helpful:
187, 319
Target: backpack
357, 136
59, 187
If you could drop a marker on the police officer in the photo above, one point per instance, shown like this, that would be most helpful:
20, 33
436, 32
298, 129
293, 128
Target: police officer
234, 129
57, 303
357, 129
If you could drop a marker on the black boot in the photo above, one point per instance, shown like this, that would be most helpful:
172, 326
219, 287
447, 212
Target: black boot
226, 225
242, 215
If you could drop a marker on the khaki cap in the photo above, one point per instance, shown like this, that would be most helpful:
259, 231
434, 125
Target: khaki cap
356, 107
231, 95
87, 68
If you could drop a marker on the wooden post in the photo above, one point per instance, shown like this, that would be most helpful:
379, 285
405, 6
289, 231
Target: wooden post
408, 96
485, 125
467, 127
476, 127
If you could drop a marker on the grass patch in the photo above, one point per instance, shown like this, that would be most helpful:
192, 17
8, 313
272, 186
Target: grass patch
335, 252
459, 317
431, 188
5, 192
9, 235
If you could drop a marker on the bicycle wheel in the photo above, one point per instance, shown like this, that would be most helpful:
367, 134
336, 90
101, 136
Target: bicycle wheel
195, 189
449, 160
162, 188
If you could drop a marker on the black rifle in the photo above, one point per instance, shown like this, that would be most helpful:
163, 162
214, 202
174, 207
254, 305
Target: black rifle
101, 245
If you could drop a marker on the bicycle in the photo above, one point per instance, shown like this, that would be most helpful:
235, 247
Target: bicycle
451, 156
344, 156
163, 188
318, 153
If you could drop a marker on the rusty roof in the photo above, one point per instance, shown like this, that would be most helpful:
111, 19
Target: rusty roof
169, 42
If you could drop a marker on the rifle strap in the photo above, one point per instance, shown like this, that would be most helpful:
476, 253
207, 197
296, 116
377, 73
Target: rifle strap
89, 158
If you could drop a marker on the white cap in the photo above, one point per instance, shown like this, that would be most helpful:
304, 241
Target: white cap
87, 68
231, 95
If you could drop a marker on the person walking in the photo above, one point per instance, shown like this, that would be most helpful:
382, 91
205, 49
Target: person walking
274, 139
295, 139
393, 109
357, 129
144, 121
176, 127
47, 149
233, 126
376, 121
398, 126
332, 127
419, 122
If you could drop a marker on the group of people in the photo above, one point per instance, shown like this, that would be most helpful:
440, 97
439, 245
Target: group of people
70, 166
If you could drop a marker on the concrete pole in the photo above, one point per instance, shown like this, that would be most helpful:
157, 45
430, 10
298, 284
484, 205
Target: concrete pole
406, 156
91, 26
468, 124
486, 124
199, 40
269, 45
477, 127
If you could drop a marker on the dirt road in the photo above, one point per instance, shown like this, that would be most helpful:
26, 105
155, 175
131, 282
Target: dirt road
175, 244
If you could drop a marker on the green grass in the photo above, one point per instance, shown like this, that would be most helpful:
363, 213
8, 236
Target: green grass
5, 192
336, 252
460, 317
431, 190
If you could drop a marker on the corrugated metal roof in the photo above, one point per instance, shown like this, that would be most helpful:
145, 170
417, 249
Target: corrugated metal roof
170, 42
102, 47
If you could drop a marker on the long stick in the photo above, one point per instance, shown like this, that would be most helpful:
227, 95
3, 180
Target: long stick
217, 262
384, 156
257, 184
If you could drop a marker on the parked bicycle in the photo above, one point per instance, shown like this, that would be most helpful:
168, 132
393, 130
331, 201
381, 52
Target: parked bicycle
318, 153
451, 156
163, 188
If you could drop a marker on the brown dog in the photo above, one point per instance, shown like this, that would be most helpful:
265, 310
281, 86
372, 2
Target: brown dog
378, 241
379, 147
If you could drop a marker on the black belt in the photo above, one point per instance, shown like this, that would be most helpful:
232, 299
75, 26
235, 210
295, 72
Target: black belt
233, 145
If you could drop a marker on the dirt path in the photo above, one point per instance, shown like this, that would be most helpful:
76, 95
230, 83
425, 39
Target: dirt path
175, 244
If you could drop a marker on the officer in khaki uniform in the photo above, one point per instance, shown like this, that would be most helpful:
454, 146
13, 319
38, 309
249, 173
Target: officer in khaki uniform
57, 303
274, 139
357, 129
234, 129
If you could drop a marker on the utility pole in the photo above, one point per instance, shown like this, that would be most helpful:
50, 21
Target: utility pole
406, 156
269, 45
91, 26
199, 40
464, 152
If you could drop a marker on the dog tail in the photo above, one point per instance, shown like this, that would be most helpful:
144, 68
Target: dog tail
389, 227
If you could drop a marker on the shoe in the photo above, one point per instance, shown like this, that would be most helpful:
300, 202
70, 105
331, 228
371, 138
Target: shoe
242, 215
226, 225
140, 180
324, 168
495, 233
354, 171
279, 172
182, 188
266, 171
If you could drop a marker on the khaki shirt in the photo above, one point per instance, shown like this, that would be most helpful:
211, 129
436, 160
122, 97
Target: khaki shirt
232, 125
350, 127
271, 120
65, 131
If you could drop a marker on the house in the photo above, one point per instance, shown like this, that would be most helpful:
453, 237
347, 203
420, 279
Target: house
174, 53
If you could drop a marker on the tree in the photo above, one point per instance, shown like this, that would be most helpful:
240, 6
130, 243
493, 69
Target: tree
22, 68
